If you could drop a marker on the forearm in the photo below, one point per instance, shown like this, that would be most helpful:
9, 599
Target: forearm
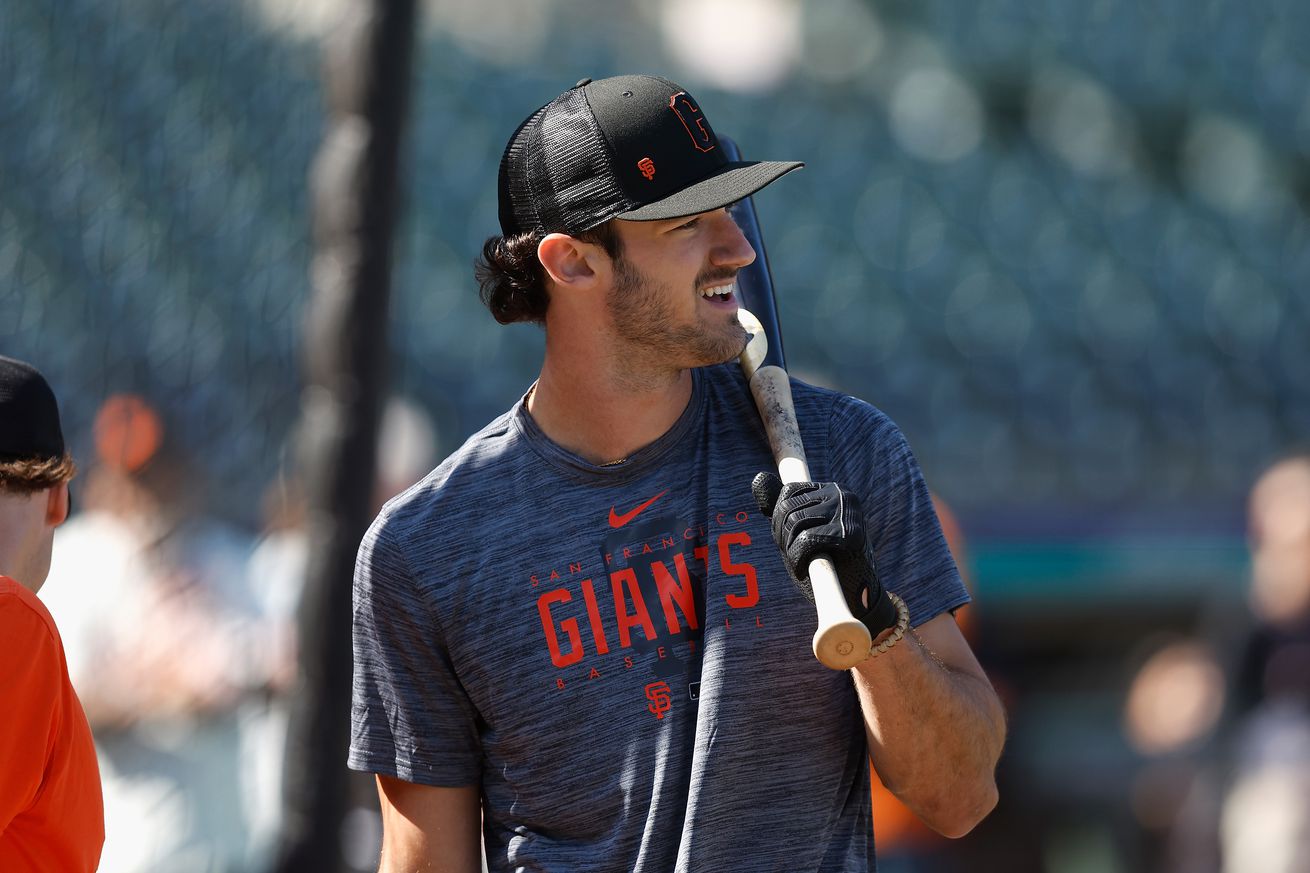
935, 731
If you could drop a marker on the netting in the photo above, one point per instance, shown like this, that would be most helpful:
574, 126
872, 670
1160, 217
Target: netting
1066, 248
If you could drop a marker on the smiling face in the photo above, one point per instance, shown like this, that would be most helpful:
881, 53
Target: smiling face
674, 299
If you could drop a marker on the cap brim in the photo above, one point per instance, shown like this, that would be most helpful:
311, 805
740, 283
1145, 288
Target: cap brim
731, 183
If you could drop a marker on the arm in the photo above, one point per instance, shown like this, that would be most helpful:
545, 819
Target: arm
426, 829
935, 726
410, 713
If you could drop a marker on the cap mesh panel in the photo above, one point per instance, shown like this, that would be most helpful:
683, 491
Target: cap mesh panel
582, 190
522, 213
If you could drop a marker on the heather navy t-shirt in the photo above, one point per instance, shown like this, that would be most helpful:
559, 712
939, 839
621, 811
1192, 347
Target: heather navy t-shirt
617, 655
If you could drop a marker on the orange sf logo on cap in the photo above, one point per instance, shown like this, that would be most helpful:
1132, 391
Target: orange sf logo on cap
647, 167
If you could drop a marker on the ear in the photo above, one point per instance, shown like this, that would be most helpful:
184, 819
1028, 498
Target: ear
569, 262
56, 505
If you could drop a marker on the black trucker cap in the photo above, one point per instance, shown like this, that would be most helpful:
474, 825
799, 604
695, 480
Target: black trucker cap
633, 147
29, 415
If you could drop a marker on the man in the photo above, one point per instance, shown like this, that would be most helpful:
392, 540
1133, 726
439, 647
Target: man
51, 816
578, 625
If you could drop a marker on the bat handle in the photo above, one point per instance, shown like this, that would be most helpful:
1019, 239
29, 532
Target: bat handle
842, 640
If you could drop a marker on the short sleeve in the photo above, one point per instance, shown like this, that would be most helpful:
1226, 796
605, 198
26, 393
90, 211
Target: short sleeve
30, 685
410, 715
870, 455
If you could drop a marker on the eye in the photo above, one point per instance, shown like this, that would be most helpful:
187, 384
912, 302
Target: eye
689, 223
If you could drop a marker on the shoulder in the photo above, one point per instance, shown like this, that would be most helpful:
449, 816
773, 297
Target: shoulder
460, 483
831, 421
727, 381
26, 622
850, 440
842, 415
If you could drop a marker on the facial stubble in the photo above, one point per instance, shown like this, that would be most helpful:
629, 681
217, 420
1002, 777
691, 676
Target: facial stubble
643, 315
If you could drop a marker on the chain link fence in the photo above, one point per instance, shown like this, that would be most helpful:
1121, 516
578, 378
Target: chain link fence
1066, 247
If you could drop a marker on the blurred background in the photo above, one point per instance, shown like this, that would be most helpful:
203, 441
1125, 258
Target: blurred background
1064, 244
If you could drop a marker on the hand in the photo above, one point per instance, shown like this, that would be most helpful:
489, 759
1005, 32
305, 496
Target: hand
812, 519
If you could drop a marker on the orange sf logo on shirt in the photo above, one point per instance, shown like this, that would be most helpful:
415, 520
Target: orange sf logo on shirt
660, 697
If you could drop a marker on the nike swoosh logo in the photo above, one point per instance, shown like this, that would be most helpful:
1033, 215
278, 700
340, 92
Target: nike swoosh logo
617, 520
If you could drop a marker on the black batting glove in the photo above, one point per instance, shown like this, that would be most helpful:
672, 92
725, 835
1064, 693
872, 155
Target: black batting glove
812, 519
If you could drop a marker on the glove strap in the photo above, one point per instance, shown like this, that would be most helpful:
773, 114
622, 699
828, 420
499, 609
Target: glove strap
883, 613
902, 625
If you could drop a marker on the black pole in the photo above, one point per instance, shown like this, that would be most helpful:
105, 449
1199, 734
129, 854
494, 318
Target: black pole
354, 182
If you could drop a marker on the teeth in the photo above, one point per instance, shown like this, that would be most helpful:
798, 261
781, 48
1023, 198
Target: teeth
720, 291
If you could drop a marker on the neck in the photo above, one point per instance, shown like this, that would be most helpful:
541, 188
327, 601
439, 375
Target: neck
604, 411
24, 539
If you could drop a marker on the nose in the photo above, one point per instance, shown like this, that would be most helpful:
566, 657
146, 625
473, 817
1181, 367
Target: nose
731, 248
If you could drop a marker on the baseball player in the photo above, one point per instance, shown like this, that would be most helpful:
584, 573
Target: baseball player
580, 640
51, 810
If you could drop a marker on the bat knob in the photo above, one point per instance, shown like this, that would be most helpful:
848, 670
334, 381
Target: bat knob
842, 645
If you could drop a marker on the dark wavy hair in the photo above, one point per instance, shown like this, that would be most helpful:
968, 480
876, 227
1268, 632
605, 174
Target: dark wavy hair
512, 282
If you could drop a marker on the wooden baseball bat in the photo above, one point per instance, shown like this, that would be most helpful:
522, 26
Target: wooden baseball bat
841, 640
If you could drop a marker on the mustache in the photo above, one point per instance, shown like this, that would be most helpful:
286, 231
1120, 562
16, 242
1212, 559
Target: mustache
708, 278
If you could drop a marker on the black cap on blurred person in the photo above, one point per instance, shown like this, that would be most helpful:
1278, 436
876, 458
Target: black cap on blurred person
29, 414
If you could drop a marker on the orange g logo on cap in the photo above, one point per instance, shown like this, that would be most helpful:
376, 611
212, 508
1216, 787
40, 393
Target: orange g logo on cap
693, 120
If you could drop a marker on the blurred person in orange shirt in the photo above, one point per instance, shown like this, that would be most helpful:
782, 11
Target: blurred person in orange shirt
51, 813
166, 650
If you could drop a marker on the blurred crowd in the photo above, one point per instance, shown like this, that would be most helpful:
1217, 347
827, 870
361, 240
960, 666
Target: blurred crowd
1222, 717
180, 634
